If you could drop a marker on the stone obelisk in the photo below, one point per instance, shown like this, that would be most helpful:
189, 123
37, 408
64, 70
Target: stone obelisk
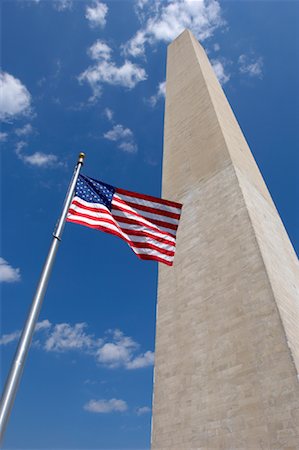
227, 338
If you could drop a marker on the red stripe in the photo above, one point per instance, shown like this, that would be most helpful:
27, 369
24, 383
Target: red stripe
87, 216
161, 212
129, 242
155, 258
144, 233
97, 227
119, 208
89, 208
149, 219
151, 246
135, 222
125, 230
149, 197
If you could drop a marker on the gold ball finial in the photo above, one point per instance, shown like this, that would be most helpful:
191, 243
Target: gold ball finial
81, 157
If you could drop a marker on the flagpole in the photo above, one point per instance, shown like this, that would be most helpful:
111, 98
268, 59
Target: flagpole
17, 366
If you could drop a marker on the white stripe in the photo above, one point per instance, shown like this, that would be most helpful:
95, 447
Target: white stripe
132, 238
151, 252
119, 214
94, 222
89, 204
145, 213
151, 204
148, 240
127, 227
104, 212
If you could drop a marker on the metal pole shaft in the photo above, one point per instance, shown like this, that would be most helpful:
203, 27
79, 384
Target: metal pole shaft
17, 366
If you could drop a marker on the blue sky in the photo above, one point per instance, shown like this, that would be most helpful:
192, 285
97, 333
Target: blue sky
89, 76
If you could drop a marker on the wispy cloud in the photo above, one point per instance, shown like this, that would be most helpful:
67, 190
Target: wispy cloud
104, 70
65, 337
120, 351
6, 339
25, 130
220, 72
164, 21
118, 132
37, 159
124, 137
114, 350
3, 136
144, 360
59, 5
8, 274
15, 98
40, 159
99, 51
161, 91
128, 147
62, 5
43, 325
143, 410
96, 14
108, 113
251, 65
106, 406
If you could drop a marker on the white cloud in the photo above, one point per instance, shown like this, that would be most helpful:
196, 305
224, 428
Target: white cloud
65, 337
143, 410
136, 46
19, 147
164, 21
8, 274
139, 8
251, 65
106, 71
43, 325
109, 114
121, 352
25, 130
8, 338
62, 5
99, 50
96, 14
118, 352
40, 159
118, 132
220, 71
140, 4
15, 99
59, 5
216, 47
144, 360
113, 351
128, 147
3, 136
124, 136
106, 406
161, 92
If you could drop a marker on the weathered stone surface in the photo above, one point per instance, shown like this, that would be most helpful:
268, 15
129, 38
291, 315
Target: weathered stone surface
227, 339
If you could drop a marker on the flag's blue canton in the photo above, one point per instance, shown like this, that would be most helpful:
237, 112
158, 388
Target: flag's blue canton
94, 191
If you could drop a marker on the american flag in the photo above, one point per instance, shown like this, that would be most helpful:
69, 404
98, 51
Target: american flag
148, 224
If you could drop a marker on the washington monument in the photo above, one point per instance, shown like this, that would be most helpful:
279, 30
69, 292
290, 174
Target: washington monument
227, 338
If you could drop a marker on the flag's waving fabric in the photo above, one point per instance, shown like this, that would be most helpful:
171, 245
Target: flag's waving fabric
148, 224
